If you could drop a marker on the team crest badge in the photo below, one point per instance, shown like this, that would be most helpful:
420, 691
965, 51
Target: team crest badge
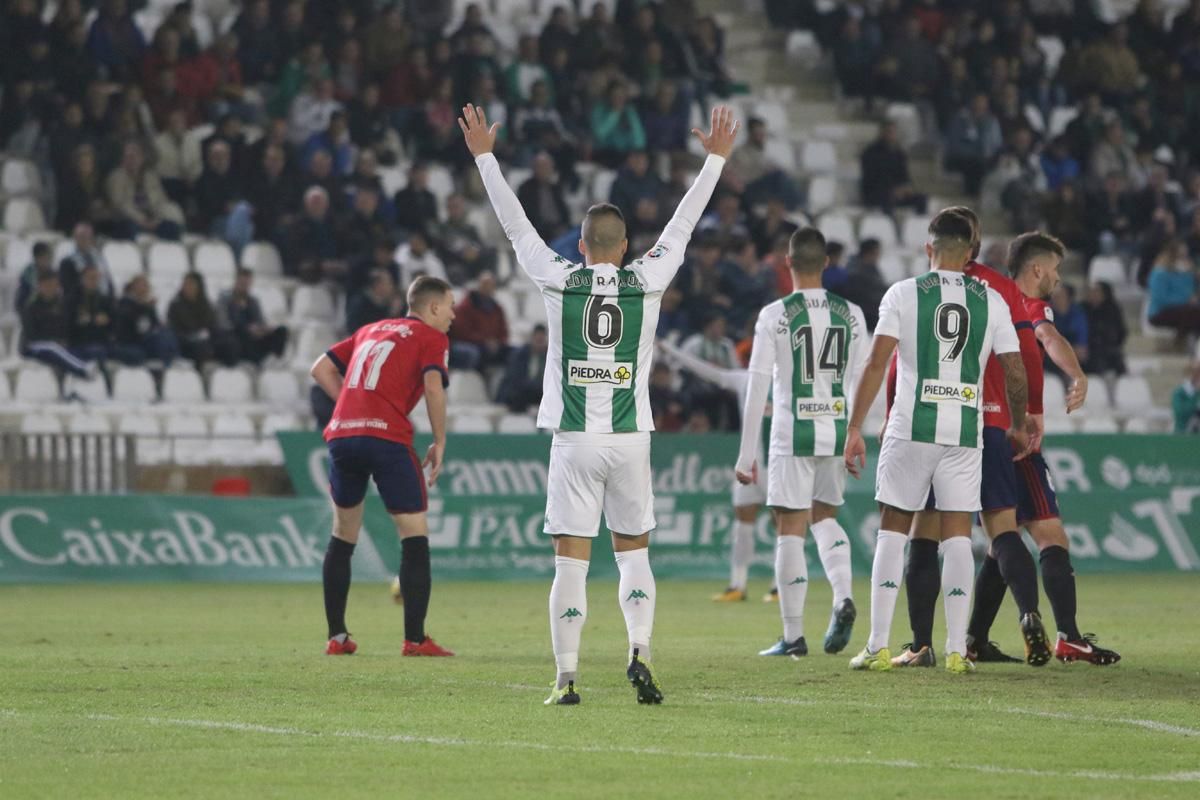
658, 251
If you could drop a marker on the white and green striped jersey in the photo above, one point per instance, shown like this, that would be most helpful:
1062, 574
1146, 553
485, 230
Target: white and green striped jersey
811, 346
948, 325
601, 318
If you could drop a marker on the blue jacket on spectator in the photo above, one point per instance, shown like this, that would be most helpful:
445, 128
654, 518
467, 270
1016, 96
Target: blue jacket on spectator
1170, 288
1073, 325
1059, 170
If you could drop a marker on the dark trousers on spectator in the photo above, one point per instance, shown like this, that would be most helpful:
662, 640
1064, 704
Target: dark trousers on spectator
220, 347
1184, 318
973, 170
56, 356
469, 355
127, 229
256, 348
159, 346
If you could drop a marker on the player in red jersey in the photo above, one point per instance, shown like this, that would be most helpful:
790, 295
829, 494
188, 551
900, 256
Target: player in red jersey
1033, 261
998, 490
377, 376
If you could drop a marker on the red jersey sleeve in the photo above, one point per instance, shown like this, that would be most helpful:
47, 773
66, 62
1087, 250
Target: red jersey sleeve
435, 354
1037, 312
341, 353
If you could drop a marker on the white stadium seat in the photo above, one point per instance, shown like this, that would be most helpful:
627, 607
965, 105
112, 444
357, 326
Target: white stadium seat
167, 260
915, 233
1060, 118
273, 302
20, 177
124, 261
5, 389
818, 157
262, 258
41, 424
516, 423
1054, 396
93, 390
467, 388
279, 387
84, 422
214, 260
183, 385
838, 228
274, 423
23, 215
1060, 424
138, 424
892, 267
133, 385
781, 153
1132, 395
190, 435
230, 385
36, 383
63, 249
1110, 269
312, 304
878, 226
470, 423
1137, 425
822, 193
1098, 401
311, 342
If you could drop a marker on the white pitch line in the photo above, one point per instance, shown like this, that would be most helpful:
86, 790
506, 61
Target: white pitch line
991, 769
1148, 724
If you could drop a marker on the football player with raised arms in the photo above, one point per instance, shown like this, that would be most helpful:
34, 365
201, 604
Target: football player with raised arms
809, 351
377, 376
601, 319
945, 325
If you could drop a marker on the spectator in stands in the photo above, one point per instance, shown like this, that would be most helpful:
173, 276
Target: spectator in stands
272, 193
616, 126
415, 258
909, 66
706, 48
673, 316
364, 225
177, 158
1185, 402
1110, 215
771, 226
1106, 331
635, 181
479, 338
311, 251
854, 59
115, 40
1174, 294
1015, 183
700, 278
521, 386
758, 171
240, 318
713, 345
665, 119
543, 200
335, 140
1071, 321
462, 249
525, 71
666, 403
866, 285
27, 283
885, 182
91, 318
538, 117
371, 126
87, 253
1113, 155
139, 337
1109, 66
416, 206
387, 41
45, 328
973, 141
1065, 213
312, 111
835, 277
376, 301
1058, 165
221, 208
137, 196
81, 194
727, 223
747, 282
1157, 195
194, 323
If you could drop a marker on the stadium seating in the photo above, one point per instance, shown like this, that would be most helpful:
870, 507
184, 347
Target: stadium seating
230, 385
35, 384
88, 422
878, 226
1094, 423
838, 228
1132, 395
215, 261
168, 262
23, 215
516, 423
273, 301
893, 267
467, 388
41, 424
818, 158
1054, 396
190, 434
312, 303
182, 385
20, 177
124, 261
278, 387
90, 390
822, 193
470, 424
233, 441
262, 258
133, 385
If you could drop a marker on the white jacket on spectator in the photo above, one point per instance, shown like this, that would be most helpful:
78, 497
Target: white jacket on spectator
178, 157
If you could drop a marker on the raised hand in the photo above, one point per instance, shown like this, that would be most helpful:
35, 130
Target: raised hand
722, 132
480, 138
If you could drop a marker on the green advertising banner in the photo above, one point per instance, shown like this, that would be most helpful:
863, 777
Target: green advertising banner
1130, 503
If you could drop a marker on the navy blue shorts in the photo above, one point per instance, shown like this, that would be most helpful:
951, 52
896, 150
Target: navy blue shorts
397, 472
998, 489
1036, 499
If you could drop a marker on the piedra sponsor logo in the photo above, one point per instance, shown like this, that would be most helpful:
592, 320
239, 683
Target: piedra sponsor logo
183, 538
618, 374
814, 409
944, 392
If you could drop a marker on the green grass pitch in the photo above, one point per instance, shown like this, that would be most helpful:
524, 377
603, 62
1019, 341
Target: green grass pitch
222, 691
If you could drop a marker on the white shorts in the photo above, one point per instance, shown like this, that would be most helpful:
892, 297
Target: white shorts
752, 494
794, 482
907, 470
591, 473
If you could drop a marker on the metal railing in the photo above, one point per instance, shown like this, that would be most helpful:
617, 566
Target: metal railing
68, 463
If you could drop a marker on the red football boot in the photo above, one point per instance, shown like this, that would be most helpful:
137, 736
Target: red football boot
426, 648
1084, 649
336, 648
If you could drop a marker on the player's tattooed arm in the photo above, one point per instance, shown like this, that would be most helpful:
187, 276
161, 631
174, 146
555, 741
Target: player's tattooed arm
1017, 387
